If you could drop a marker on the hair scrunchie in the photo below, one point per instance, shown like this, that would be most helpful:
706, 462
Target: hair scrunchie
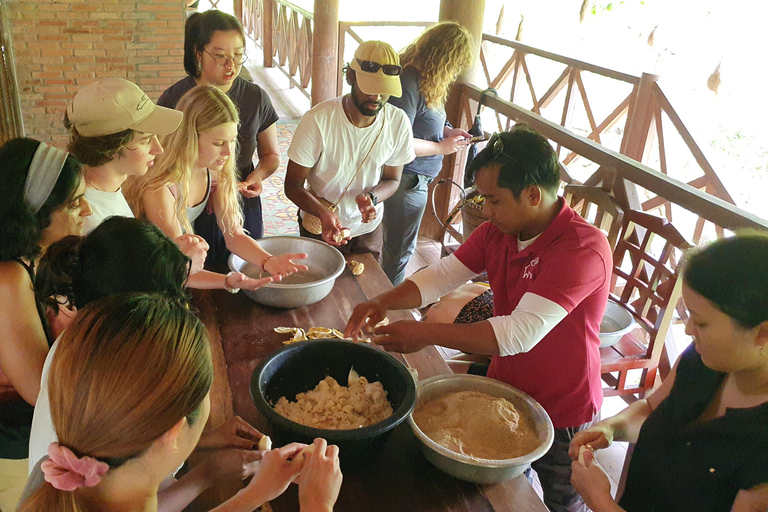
67, 472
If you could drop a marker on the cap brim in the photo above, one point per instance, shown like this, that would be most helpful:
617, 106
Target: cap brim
161, 121
379, 83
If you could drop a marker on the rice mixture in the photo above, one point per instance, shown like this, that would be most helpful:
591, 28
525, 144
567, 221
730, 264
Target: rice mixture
337, 407
477, 425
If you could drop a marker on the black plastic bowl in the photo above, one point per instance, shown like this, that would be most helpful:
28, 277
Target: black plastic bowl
299, 367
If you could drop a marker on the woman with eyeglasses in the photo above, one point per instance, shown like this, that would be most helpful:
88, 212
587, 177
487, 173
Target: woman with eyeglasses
214, 53
430, 65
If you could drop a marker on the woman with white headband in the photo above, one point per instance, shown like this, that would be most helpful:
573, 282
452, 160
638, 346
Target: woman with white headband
42, 202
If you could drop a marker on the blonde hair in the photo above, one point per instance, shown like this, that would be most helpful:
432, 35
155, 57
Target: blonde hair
128, 368
441, 52
205, 107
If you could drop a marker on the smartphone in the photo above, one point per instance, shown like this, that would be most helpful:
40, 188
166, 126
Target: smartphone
479, 138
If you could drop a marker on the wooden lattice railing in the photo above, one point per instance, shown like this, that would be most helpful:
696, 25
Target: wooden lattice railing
291, 34
643, 108
615, 171
251, 16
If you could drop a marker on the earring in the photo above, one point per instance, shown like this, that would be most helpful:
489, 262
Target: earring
762, 348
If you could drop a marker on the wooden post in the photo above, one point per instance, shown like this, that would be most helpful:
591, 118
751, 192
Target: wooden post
325, 41
638, 136
267, 30
469, 15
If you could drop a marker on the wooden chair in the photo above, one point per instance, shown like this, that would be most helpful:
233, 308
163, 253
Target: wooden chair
645, 282
598, 207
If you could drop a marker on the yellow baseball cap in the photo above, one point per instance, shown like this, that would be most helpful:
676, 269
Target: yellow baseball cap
111, 105
374, 65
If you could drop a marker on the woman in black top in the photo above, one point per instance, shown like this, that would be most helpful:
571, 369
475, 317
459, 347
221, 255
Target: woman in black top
42, 202
702, 437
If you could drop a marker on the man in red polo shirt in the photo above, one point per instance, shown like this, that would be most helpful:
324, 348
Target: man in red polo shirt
550, 273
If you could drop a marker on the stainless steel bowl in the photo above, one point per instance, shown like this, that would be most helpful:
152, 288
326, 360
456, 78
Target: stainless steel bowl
617, 321
481, 470
325, 265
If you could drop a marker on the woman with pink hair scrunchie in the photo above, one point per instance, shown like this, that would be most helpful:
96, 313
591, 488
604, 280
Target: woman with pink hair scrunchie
129, 411
66, 472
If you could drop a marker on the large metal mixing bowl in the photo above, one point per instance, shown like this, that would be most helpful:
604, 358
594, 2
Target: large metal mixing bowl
482, 471
325, 265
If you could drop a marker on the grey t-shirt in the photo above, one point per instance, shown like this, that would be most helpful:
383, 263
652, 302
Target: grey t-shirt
428, 123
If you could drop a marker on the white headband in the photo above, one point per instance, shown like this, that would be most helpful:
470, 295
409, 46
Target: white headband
43, 174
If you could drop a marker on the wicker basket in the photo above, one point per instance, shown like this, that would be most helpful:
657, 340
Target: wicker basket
471, 214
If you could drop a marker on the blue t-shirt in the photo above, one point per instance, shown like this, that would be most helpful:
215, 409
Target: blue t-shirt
428, 123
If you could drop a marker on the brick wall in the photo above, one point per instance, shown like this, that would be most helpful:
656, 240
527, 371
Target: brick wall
61, 45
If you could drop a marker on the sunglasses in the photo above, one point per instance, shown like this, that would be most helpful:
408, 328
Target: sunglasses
497, 146
373, 67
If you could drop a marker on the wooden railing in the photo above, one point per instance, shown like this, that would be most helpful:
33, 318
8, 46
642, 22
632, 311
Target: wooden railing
615, 171
252, 13
643, 107
291, 35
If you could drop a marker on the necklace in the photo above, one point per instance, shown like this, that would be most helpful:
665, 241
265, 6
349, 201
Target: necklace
90, 184
345, 108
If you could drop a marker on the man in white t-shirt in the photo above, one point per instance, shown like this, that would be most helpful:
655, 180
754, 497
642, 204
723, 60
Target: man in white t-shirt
350, 151
114, 128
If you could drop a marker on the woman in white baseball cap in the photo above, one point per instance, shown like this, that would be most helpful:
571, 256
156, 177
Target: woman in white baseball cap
114, 128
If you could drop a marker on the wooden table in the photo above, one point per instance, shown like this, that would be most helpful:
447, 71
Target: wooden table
242, 333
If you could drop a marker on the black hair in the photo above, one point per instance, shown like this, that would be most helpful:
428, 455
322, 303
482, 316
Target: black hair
21, 229
526, 159
121, 255
198, 32
732, 274
96, 151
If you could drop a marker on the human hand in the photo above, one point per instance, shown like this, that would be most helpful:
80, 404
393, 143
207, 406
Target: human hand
243, 282
234, 433
195, 248
596, 437
589, 480
283, 265
251, 186
278, 468
320, 478
405, 336
332, 229
231, 464
365, 205
364, 318
450, 145
456, 132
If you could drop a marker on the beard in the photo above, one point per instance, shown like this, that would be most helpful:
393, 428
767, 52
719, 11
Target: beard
367, 108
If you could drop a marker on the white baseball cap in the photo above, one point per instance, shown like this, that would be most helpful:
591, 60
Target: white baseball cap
111, 105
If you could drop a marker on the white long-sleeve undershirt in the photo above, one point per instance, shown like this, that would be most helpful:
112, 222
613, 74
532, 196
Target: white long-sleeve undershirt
520, 331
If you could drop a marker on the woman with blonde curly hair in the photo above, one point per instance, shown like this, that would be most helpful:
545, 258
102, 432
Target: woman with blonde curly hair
430, 66
197, 171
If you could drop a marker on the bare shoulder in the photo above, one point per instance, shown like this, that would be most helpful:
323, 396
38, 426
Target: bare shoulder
13, 277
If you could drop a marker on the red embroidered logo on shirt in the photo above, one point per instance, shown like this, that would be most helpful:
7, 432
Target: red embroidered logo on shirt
528, 270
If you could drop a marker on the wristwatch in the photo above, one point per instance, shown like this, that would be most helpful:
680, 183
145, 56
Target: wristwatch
374, 199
